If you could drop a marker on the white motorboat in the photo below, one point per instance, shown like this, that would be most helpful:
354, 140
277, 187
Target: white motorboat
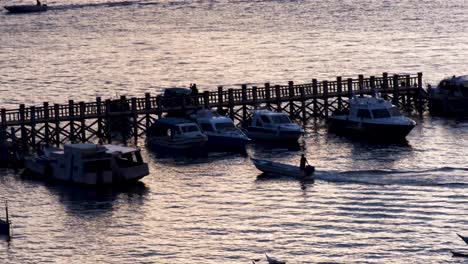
450, 97
222, 134
89, 164
281, 169
373, 118
175, 135
273, 126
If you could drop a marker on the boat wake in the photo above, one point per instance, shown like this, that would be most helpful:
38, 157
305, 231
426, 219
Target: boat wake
444, 176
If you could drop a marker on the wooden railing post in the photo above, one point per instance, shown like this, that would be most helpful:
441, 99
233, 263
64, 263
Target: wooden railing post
45, 106
220, 99
396, 93
159, 109
4, 127
82, 122
71, 114
339, 87
325, 97
57, 125
244, 102
303, 105
32, 120
267, 95
134, 120
420, 87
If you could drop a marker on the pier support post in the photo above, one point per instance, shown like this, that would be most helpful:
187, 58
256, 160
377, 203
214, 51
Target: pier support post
361, 85
147, 110
206, 100
108, 122
100, 133
244, 102
231, 103
292, 113
303, 105
385, 85
32, 120
419, 94
24, 134
315, 94
159, 109
57, 125
396, 92
325, 98
267, 95
71, 114
3, 131
46, 123
339, 88
278, 98
220, 99
372, 86
82, 122
122, 119
254, 96
134, 120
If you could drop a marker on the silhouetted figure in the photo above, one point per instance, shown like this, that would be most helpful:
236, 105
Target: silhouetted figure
303, 163
194, 89
38, 2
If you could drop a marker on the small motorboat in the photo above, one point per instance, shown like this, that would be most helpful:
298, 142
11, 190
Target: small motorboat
372, 118
464, 238
281, 169
272, 126
450, 97
18, 9
459, 254
272, 260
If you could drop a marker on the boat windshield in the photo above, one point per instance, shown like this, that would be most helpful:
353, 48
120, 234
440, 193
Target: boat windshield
380, 113
280, 119
225, 126
394, 111
189, 128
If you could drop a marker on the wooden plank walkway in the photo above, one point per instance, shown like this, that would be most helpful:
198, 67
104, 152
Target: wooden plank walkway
85, 121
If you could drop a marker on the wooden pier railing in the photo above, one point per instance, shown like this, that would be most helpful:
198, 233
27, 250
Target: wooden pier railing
130, 117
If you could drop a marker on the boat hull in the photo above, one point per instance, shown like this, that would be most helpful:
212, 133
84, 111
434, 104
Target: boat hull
381, 132
448, 106
189, 146
280, 169
19, 9
223, 143
265, 134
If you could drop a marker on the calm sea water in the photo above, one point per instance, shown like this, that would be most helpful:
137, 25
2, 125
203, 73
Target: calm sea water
370, 203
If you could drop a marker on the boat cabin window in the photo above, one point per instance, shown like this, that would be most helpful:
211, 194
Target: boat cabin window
394, 111
96, 165
225, 126
380, 113
363, 113
281, 119
265, 119
189, 128
206, 127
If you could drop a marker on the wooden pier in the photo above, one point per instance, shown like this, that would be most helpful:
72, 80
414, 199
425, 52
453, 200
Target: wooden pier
57, 124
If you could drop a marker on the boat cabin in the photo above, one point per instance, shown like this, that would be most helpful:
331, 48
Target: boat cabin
372, 108
456, 86
263, 118
172, 127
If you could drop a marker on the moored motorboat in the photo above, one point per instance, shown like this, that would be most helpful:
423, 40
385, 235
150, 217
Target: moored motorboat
372, 118
463, 238
273, 126
17, 9
281, 169
89, 164
459, 254
450, 97
169, 135
222, 134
